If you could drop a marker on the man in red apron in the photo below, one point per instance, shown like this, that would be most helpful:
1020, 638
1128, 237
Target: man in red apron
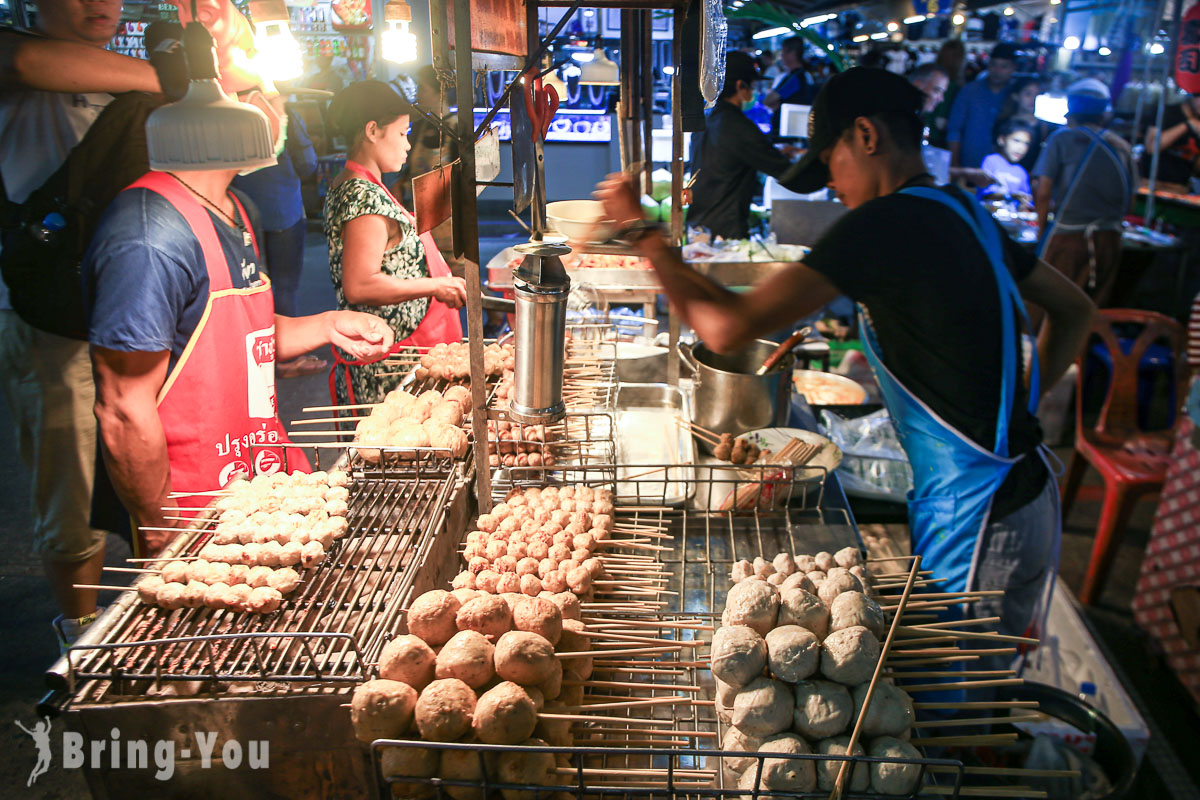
184, 344
939, 289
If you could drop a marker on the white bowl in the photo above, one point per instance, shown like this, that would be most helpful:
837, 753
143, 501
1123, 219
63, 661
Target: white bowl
579, 220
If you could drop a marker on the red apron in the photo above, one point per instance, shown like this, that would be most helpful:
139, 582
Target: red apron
218, 406
441, 324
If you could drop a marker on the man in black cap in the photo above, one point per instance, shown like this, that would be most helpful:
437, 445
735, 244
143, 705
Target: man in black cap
976, 107
730, 153
939, 289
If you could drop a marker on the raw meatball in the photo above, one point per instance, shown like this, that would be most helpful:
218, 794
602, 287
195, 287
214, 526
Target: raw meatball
465, 595
817, 577
741, 742
460, 395
175, 572
194, 591
238, 597
782, 774
776, 579
408, 659
539, 616
551, 688
784, 564
762, 567
524, 657
804, 563
284, 580
827, 771
147, 588
798, 580
464, 765
741, 570
837, 581
509, 583
573, 641
488, 615
864, 578
891, 712
444, 710
409, 762
848, 557
793, 653
504, 714
568, 604
823, 709
798, 607
467, 656
432, 617
850, 655
754, 604
855, 608
825, 561
892, 778
527, 768
763, 707
738, 655
382, 709
725, 692
531, 585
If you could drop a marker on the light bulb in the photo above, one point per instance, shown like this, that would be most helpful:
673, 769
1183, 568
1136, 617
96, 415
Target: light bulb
1157, 49
399, 44
959, 19
1009, 11
1104, 51
1071, 43
893, 26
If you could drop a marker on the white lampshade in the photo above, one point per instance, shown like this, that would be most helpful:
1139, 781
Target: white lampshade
206, 130
600, 71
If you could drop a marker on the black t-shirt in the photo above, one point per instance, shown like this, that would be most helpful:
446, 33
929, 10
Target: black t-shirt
1175, 163
729, 153
931, 294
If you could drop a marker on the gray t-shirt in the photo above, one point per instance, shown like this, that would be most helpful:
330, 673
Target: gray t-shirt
1104, 190
37, 131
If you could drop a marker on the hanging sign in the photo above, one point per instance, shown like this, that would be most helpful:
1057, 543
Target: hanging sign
1187, 60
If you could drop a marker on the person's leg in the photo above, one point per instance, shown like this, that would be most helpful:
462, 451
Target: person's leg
1015, 557
1107, 246
285, 261
47, 383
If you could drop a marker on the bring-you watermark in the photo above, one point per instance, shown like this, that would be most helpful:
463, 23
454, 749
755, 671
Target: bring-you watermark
119, 752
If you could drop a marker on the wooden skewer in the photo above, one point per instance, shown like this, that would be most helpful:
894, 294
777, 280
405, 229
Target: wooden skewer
649, 624
962, 723
916, 662
102, 588
135, 570
977, 740
650, 732
649, 701
980, 673
984, 791
171, 558
950, 651
1020, 772
643, 639
606, 718
956, 622
976, 704
628, 685
634, 670
956, 685
636, 651
949, 596
979, 635
320, 420
348, 407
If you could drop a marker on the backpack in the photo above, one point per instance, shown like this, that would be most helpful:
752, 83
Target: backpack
44, 239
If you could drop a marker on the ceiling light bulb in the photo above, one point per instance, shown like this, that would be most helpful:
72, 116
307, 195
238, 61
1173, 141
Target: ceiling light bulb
278, 53
1104, 51
958, 19
893, 26
1157, 49
1071, 43
1009, 11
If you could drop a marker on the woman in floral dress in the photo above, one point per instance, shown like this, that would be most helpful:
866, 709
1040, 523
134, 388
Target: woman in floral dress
377, 261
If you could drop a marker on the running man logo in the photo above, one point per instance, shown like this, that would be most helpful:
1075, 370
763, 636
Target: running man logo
41, 740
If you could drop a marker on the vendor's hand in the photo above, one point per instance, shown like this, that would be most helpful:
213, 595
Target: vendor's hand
451, 291
155, 541
364, 336
621, 202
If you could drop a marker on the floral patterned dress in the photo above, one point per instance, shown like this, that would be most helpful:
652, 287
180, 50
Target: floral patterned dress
356, 197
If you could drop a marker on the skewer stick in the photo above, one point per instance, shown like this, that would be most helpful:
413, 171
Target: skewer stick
977, 705
695, 626
962, 723
101, 587
979, 635
948, 596
955, 622
916, 662
950, 651
348, 407
979, 740
642, 639
134, 570
319, 420
682, 734
635, 651
839, 785
956, 685
649, 701
170, 558
952, 673
606, 718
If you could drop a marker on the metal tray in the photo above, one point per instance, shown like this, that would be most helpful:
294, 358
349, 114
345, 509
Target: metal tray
648, 433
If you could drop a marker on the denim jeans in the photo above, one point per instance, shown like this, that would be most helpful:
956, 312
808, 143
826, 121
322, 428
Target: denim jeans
284, 251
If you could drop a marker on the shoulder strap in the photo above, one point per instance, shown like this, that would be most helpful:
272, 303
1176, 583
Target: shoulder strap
197, 219
988, 235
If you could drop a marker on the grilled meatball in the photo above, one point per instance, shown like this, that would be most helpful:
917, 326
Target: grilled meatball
432, 617
738, 655
850, 655
488, 615
444, 710
754, 604
823, 709
521, 766
763, 707
793, 653
382, 709
468, 656
504, 714
524, 658
407, 659
828, 771
539, 616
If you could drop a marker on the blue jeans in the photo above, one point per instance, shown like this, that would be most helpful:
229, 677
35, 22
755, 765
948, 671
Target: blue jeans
284, 251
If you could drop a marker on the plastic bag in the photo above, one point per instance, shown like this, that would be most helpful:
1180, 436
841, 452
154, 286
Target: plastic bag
1050, 753
712, 51
873, 463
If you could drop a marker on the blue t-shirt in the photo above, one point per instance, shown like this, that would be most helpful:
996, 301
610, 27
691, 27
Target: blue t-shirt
972, 117
1010, 178
144, 278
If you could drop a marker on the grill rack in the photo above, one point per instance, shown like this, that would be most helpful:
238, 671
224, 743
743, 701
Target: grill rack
681, 768
329, 631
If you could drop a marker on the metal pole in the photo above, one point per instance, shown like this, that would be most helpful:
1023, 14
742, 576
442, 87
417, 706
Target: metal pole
466, 219
1162, 102
1149, 61
681, 10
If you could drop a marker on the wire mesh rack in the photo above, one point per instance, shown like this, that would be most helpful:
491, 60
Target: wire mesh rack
328, 631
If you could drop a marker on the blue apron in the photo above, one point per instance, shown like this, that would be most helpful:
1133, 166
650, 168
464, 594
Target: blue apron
954, 478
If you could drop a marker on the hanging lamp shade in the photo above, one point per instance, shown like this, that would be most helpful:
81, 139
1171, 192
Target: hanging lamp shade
600, 71
206, 130
399, 44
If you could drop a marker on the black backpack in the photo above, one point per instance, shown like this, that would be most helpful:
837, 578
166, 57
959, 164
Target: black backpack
44, 238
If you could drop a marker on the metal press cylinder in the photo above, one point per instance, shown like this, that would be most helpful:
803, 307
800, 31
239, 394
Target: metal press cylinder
541, 313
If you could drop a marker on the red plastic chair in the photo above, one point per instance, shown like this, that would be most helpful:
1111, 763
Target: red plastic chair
1133, 462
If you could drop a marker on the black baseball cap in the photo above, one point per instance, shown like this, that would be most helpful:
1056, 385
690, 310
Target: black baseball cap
740, 66
1005, 50
858, 92
365, 101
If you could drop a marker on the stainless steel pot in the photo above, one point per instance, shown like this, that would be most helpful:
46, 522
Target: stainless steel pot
729, 397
